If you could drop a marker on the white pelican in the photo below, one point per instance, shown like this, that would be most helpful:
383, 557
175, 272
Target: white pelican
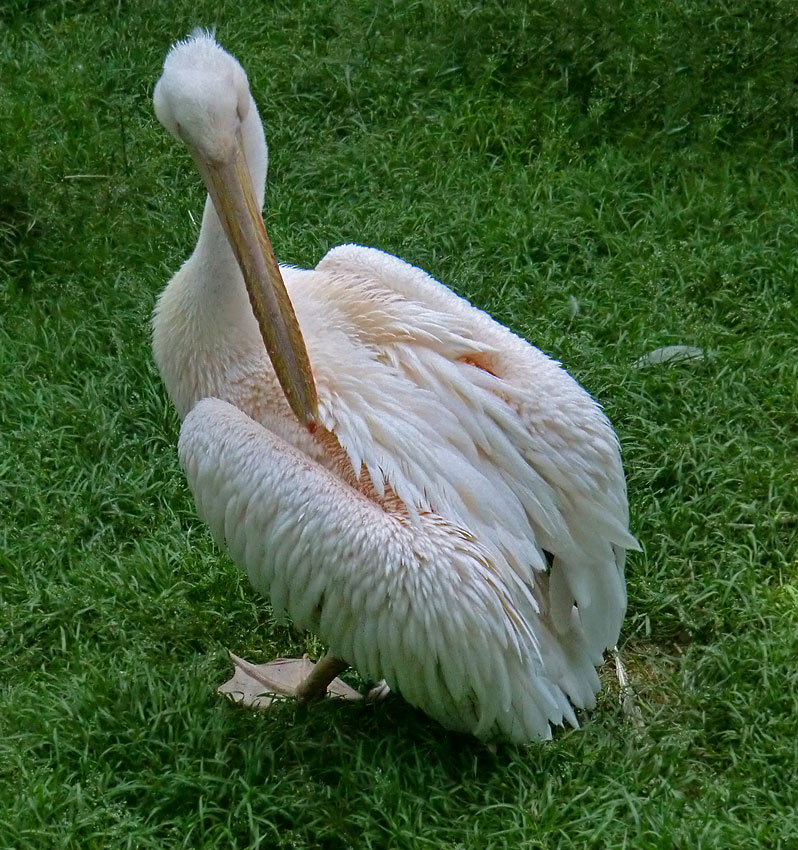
438, 500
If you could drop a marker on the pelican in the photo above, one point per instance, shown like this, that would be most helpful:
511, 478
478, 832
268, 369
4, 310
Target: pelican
434, 497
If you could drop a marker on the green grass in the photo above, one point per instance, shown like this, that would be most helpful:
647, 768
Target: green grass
637, 157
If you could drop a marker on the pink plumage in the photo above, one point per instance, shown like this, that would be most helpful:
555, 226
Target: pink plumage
457, 527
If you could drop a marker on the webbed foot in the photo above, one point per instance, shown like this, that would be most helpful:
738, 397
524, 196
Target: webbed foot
257, 685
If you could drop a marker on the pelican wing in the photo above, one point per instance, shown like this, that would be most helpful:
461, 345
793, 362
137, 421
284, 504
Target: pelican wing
458, 415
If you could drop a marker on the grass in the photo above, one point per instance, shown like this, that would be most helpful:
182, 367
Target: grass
636, 160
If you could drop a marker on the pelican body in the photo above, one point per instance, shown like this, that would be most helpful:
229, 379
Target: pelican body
434, 497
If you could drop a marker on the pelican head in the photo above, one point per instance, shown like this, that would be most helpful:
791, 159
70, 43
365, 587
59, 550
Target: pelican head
203, 99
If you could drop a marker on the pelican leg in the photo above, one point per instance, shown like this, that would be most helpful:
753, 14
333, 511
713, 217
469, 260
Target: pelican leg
316, 683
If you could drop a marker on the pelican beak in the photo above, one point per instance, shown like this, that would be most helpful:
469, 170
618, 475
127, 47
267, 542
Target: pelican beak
230, 187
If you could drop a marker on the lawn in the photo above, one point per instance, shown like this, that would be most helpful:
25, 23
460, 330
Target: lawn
605, 178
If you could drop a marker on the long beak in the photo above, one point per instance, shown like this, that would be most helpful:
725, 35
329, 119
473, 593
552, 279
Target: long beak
230, 187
